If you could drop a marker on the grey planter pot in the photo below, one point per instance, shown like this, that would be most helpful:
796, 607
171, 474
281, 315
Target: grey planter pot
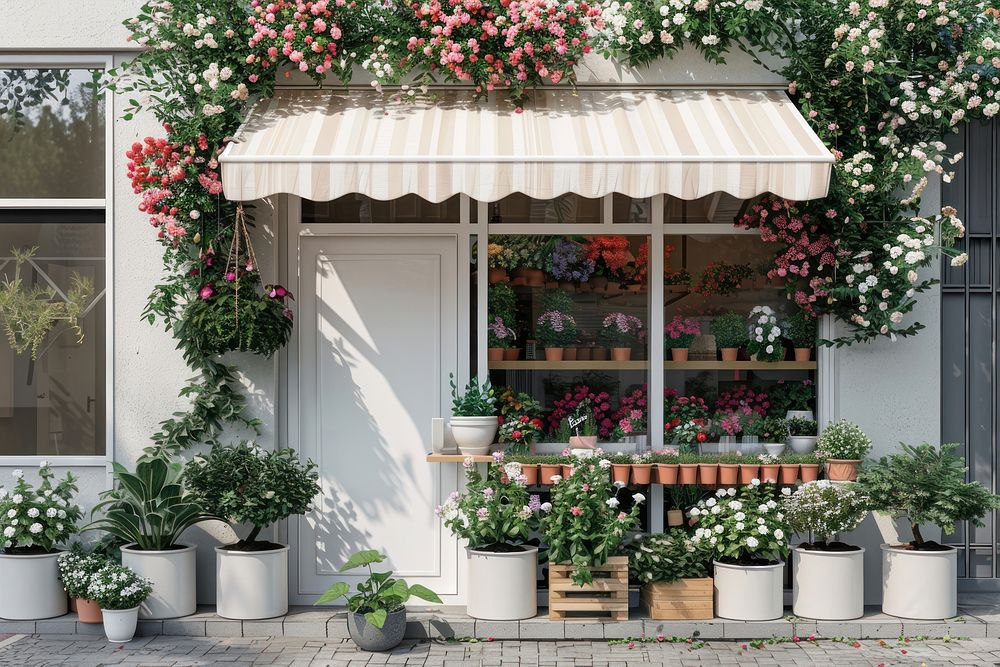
370, 638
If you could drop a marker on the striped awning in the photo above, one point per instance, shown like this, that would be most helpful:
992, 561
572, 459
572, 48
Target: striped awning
322, 145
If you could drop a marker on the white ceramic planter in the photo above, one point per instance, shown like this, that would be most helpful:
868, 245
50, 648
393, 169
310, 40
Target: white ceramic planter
802, 444
800, 414
251, 584
828, 585
119, 625
172, 572
919, 584
503, 586
748, 593
474, 435
774, 448
31, 588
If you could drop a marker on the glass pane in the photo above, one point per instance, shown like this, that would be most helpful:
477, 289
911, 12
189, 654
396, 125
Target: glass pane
356, 208
56, 148
720, 208
629, 210
567, 209
54, 405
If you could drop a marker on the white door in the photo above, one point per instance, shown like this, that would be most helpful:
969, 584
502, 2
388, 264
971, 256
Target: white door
377, 337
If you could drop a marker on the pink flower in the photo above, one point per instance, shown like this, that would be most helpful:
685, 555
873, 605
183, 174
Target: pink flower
576, 511
207, 290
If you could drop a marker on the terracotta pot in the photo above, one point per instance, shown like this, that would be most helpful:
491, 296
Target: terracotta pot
679, 353
519, 276
729, 474
666, 473
621, 353
675, 518
789, 473
585, 287
600, 354
748, 471
89, 611
613, 288
498, 276
803, 353
582, 441
688, 473
708, 474
553, 354
620, 472
512, 354
641, 473
729, 353
569, 354
769, 473
583, 353
809, 472
567, 470
551, 283
494, 354
599, 283
530, 471
534, 277
547, 471
842, 470
567, 286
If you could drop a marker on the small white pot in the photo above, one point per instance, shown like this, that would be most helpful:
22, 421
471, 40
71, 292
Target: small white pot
474, 435
919, 584
828, 585
503, 586
31, 588
802, 444
251, 584
799, 414
774, 448
120, 624
748, 593
172, 572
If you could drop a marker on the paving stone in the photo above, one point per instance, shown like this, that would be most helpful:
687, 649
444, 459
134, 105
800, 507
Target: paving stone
185, 627
757, 629
584, 630
624, 629
417, 629
65, 625
448, 628
91, 629
17, 627
149, 628
497, 629
224, 628
304, 628
967, 626
540, 627
268, 628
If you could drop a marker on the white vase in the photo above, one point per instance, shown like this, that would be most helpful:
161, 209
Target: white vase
503, 586
774, 448
172, 572
919, 584
120, 624
474, 435
802, 444
251, 584
799, 414
828, 585
31, 588
748, 592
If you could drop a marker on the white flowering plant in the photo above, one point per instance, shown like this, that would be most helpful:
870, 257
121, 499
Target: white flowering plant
117, 587
825, 510
77, 569
745, 526
495, 513
843, 440
765, 335
668, 557
35, 519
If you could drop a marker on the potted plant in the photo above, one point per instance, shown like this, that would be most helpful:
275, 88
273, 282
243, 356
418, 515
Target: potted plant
801, 435
520, 433
772, 431
642, 469
924, 485
687, 464
548, 467
620, 332
730, 331
665, 466
582, 425
800, 330
793, 398
495, 516
678, 335
765, 336
246, 484
842, 447
682, 499
503, 305
748, 536
828, 577
119, 591
376, 613
498, 259
789, 469
729, 468
76, 569
35, 520
808, 466
769, 468
500, 337
149, 510
673, 570
555, 330
473, 422
621, 467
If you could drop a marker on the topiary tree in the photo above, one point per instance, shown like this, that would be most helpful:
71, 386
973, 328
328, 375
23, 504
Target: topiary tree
927, 484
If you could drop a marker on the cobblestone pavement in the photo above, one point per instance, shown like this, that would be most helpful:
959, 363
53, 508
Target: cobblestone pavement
32, 651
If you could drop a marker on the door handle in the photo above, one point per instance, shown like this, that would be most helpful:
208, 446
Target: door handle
90, 401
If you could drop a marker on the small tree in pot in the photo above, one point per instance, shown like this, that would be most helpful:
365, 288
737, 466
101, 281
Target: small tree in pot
730, 331
924, 485
246, 484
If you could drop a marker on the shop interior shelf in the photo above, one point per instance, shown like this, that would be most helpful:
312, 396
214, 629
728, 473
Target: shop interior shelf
642, 364
541, 364
457, 458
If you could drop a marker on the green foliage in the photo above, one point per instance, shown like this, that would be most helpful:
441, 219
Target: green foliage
791, 395
826, 509
248, 484
377, 596
730, 330
798, 426
927, 484
117, 587
475, 401
37, 518
668, 557
77, 568
247, 322
502, 303
770, 429
735, 531
556, 299
843, 440
800, 329
556, 329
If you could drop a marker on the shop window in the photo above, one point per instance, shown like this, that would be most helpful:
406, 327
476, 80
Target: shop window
717, 208
566, 209
628, 210
359, 209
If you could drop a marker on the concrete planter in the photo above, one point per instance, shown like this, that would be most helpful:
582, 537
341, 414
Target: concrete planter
503, 586
828, 585
370, 638
748, 593
31, 588
474, 435
172, 572
919, 584
251, 584
120, 624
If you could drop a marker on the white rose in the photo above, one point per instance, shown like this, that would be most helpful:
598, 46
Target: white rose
612, 502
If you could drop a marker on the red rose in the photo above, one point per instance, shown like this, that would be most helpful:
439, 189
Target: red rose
701, 437
524, 419
517, 435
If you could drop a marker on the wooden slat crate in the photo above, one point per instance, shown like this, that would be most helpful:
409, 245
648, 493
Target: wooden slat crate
685, 599
605, 599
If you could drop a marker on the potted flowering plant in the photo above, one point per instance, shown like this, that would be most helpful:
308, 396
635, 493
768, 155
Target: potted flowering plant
621, 331
794, 398
246, 484
801, 435
765, 335
678, 334
730, 333
630, 425
119, 591
924, 485
842, 446
496, 516
569, 262
528, 256
612, 256
748, 534
76, 568
498, 258
473, 422
35, 520
673, 570
722, 279
500, 337
555, 330
520, 433
827, 576
800, 330
772, 431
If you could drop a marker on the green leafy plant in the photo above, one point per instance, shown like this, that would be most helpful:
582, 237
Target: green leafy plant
379, 595
117, 587
843, 440
720, 278
800, 329
747, 529
797, 426
668, 556
37, 518
475, 401
77, 568
788, 395
556, 299
246, 484
825, 509
502, 303
927, 484
771, 429
730, 330
556, 329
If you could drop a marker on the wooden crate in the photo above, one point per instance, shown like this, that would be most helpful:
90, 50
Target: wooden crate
604, 599
685, 599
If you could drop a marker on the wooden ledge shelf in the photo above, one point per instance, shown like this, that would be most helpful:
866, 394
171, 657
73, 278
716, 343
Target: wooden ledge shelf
740, 365
457, 458
541, 364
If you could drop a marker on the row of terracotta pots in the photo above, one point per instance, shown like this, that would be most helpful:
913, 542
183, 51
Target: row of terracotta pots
537, 278
572, 354
706, 474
